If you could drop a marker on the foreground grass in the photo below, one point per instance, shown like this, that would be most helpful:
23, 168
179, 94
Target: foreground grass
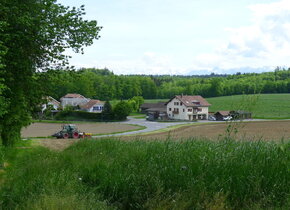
108, 174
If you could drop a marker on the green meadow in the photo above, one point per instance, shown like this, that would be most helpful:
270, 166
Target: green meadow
114, 174
264, 106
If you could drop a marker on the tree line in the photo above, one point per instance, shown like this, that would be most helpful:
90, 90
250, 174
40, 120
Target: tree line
103, 84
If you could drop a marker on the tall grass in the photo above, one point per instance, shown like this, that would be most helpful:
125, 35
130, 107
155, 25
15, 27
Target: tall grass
191, 174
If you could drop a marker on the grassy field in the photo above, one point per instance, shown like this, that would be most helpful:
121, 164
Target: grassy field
263, 106
112, 174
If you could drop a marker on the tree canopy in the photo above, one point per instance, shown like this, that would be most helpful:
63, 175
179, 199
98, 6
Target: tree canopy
34, 36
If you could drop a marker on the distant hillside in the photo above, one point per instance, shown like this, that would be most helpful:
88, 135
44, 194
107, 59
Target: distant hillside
267, 106
102, 84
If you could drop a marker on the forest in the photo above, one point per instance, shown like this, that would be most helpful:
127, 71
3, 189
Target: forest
103, 84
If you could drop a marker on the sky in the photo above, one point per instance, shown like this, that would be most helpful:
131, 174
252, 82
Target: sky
187, 37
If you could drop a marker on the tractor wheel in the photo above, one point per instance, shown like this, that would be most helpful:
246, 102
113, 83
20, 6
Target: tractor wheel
76, 135
65, 136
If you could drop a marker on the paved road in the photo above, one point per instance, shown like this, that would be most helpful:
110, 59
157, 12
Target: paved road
150, 126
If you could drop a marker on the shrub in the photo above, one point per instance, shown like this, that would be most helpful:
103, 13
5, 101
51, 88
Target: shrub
107, 112
122, 110
78, 115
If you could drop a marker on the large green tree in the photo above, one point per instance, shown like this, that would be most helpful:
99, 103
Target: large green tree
35, 35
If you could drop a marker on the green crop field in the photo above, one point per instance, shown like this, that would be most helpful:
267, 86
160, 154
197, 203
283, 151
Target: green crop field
265, 106
114, 174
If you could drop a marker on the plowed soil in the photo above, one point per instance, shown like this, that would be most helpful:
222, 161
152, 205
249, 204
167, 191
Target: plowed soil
264, 130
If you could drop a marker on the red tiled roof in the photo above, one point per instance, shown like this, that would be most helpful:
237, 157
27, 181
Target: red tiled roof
192, 101
73, 95
51, 100
54, 101
223, 113
91, 103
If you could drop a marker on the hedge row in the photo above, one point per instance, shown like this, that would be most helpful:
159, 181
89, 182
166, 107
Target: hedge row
80, 115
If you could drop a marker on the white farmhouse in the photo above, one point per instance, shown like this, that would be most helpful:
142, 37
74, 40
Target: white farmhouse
93, 106
185, 107
73, 99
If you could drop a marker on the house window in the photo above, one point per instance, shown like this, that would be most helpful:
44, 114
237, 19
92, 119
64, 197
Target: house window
169, 109
180, 103
189, 110
183, 110
176, 103
95, 108
98, 108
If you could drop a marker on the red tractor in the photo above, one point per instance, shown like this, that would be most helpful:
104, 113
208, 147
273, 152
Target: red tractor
71, 131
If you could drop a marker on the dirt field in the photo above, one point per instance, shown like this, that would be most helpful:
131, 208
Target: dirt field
271, 130
266, 130
47, 129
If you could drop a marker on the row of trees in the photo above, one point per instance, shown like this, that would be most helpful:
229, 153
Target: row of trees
103, 84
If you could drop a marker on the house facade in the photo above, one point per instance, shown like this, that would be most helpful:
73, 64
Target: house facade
183, 107
73, 99
93, 106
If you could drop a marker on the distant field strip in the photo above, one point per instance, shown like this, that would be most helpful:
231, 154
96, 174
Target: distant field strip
47, 129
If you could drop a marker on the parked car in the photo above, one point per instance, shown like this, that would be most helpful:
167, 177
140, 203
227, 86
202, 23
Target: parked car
212, 118
227, 118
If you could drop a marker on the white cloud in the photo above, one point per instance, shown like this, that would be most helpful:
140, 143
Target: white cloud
265, 42
148, 63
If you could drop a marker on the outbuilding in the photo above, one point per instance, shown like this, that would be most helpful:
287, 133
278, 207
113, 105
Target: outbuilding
220, 115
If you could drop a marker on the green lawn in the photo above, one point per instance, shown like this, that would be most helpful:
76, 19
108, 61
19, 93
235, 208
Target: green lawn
113, 174
266, 106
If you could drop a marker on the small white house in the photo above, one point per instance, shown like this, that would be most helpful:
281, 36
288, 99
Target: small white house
73, 99
183, 107
93, 106
50, 101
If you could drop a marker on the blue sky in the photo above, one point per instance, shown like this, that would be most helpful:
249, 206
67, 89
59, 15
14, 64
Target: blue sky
187, 36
